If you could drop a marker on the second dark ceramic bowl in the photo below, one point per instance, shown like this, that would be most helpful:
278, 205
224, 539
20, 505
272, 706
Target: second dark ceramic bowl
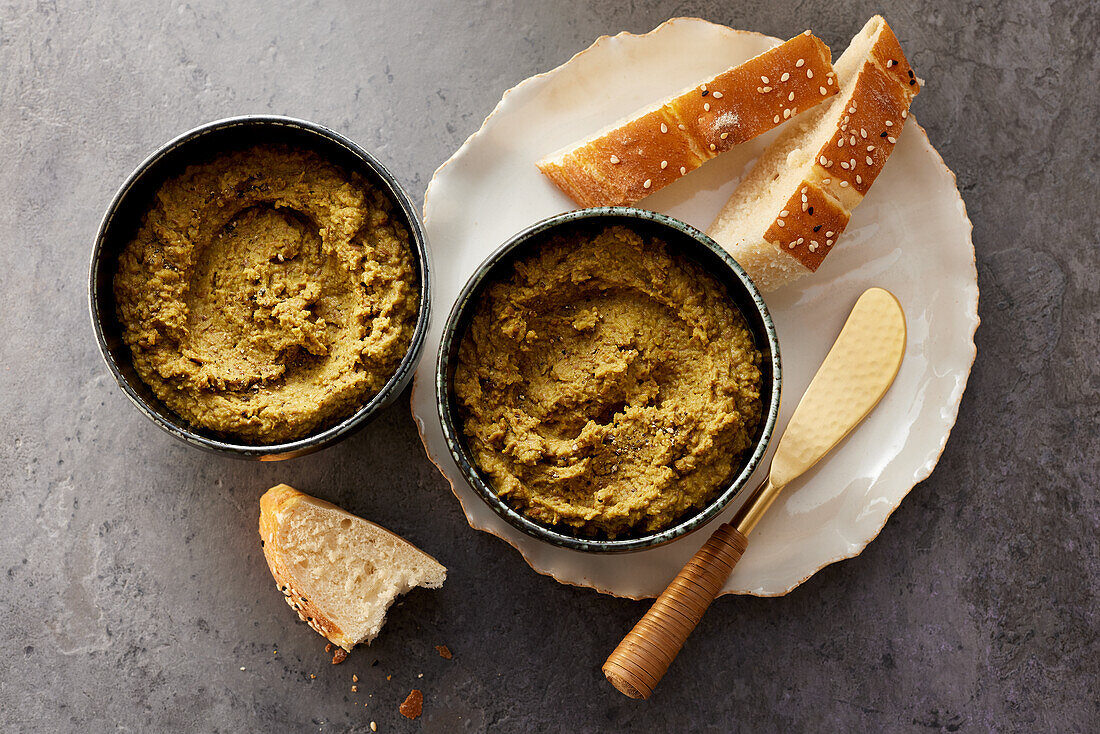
134, 198
682, 239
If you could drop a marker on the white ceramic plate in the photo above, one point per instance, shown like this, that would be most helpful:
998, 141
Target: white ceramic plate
910, 235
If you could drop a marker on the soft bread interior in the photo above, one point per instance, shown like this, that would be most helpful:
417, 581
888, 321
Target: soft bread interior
351, 569
767, 187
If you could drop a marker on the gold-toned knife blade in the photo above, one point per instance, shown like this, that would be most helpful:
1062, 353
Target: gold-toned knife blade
856, 373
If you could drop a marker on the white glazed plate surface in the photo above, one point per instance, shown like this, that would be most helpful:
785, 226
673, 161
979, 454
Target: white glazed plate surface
910, 235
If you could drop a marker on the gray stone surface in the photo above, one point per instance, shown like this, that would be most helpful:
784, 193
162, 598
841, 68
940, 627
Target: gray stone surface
134, 592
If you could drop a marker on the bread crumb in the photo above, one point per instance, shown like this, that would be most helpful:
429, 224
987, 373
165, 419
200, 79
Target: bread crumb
355, 689
339, 656
444, 652
373, 726
388, 677
242, 667
311, 675
413, 705
419, 675
354, 678
328, 647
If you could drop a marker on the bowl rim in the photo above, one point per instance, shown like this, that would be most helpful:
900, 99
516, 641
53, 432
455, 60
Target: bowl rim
418, 243
448, 419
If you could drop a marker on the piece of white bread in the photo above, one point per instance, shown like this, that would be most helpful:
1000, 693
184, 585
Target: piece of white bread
787, 213
656, 145
338, 571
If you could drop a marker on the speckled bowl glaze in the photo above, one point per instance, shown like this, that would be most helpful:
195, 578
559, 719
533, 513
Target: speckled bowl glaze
682, 239
124, 215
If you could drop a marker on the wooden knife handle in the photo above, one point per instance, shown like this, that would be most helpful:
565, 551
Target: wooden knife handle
641, 659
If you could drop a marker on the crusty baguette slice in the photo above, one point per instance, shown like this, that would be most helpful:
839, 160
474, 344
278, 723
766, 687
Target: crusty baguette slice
338, 571
659, 144
787, 213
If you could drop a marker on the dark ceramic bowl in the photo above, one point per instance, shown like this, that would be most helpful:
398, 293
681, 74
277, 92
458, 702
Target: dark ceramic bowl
134, 198
680, 238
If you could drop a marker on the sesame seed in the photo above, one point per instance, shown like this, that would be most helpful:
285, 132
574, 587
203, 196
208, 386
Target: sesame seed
840, 143
775, 119
724, 136
823, 90
760, 90
859, 179
804, 198
831, 73
790, 97
826, 181
852, 110
682, 126
712, 146
828, 243
852, 141
809, 73
829, 233
767, 89
786, 114
823, 160
703, 87
830, 81
801, 240
784, 213
706, 107
804, 189
780, 222
242, 667
614, 159
813, 246
844, 165
904, 114
764, 79
785, 77
791, 246
664, 165
683, 170
805, 206
889, 124
892, 139
798, 64
717, 95
647, 184
843, 184
870, 148
862, 133
890, 62
664, 128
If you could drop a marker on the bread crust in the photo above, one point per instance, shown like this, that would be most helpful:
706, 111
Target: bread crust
807, 227
658, 146
274, 505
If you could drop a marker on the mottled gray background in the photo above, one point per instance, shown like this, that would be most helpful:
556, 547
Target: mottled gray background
132, 581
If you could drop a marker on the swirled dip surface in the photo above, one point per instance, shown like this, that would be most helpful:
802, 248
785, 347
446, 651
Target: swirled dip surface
267, 293
607, 385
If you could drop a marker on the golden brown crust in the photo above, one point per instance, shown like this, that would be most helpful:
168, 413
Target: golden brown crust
888, 55
654, 149
273, 504
808, 225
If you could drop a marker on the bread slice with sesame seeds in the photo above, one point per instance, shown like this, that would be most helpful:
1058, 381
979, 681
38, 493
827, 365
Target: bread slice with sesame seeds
659, 144
787, 213
339, 572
